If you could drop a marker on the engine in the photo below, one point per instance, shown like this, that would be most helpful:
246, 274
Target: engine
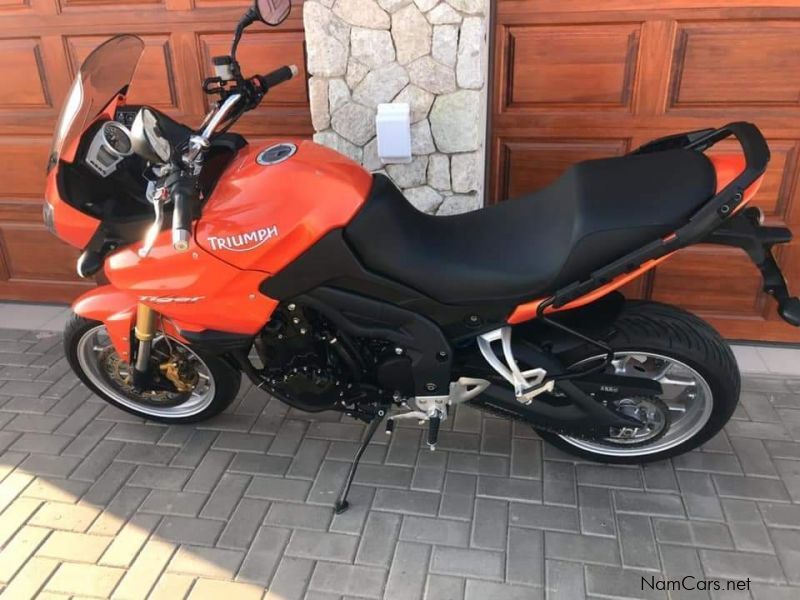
311, 365
299, 360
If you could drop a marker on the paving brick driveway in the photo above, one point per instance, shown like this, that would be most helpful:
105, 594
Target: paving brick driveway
96, 503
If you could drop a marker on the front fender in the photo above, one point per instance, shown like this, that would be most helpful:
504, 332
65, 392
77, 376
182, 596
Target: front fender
116, 309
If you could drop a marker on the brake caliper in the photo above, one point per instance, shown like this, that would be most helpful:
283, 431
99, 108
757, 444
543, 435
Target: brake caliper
179, 374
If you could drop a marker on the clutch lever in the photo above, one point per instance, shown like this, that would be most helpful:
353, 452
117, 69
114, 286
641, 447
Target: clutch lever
158, 200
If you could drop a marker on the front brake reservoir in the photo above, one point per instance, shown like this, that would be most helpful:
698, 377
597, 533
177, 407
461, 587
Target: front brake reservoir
223, 66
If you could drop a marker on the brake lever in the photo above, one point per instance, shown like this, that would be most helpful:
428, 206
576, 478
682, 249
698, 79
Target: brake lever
158, 201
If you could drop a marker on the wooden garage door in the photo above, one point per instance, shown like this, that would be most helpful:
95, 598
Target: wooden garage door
579, 79
42, 42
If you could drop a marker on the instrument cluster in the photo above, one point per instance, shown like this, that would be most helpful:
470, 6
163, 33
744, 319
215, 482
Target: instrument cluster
110, 146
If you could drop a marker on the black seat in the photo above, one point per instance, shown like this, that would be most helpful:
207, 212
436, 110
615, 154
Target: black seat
596, 212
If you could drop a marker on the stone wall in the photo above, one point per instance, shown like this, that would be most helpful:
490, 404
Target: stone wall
430, 54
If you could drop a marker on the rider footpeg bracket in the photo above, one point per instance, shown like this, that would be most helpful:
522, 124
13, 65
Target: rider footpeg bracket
434, 409
527, 384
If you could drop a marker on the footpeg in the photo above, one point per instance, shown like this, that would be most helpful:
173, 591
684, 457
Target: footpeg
434, 421
527, 395
527, 384
434, 409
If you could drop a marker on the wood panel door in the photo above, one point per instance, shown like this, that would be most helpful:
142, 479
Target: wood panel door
579, 79
42, 43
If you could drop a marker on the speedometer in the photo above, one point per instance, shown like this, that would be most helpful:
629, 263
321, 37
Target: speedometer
117, 138
111, 145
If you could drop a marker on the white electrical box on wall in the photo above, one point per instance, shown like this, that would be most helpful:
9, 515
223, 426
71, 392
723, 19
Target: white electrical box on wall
393, 124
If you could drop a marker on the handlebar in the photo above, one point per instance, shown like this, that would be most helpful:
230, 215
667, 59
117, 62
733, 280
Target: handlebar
181, 186
245, 95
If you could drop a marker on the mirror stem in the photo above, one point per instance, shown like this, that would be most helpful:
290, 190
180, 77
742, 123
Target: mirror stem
248, 18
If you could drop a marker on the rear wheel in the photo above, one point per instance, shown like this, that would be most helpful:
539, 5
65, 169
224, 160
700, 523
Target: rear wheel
194, 386
697, 372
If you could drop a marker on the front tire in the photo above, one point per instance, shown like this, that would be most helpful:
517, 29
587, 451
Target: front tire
93, 358
659, 341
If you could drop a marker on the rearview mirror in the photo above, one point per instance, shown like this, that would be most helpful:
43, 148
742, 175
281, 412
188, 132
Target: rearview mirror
147, 139
273, 12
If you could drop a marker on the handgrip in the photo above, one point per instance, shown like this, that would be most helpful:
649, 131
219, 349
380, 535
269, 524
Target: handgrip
277, 76
184, 193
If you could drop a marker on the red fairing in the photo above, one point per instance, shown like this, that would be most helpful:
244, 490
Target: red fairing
262, 217
116, 309
194, 288
71, 225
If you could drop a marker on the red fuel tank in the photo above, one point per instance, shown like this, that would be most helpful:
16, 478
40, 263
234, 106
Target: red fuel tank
276, 199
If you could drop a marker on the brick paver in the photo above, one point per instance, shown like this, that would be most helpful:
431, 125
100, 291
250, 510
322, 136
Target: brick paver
96, 503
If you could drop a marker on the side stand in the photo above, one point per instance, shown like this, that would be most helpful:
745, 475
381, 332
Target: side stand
341, 503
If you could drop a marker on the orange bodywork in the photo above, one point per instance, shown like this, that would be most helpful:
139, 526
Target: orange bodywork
293, 204
73, 226
215, 284
194, 288
727, 167
191, 290
114, 308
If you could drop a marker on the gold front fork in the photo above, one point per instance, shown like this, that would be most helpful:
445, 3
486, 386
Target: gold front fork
145, 331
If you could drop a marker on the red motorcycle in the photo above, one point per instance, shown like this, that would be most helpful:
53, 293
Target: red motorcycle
289, 263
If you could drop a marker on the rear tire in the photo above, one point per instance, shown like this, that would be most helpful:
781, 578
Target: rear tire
680, 338
220, 380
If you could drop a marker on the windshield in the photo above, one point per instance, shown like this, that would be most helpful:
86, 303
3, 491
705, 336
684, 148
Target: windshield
104, 73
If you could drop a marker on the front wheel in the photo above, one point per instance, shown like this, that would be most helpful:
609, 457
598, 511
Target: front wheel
192, 385
697, 372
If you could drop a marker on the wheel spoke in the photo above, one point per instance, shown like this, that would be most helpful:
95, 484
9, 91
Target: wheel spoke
660, 375
676, 381
674, 406
621, 364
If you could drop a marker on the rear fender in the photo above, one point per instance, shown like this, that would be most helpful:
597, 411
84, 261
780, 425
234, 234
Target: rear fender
116, 309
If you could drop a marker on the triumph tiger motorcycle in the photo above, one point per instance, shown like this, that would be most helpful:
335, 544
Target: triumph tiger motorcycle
289, 263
